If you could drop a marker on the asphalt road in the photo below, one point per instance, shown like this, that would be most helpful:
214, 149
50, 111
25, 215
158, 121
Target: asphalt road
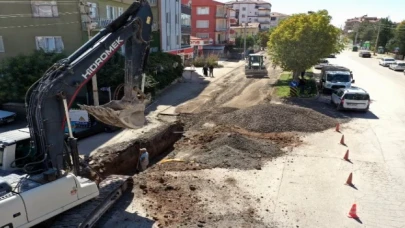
312, 188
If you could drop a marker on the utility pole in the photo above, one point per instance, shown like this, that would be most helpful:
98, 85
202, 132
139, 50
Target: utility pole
244, 42
378, 34
94, 78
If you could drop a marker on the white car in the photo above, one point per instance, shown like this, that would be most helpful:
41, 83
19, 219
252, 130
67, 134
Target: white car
386, 61
398, 66
353, 98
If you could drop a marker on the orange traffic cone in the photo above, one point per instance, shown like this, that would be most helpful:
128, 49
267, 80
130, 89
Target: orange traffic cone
337, 127
346, 157
349, 179
353, 212
342, 140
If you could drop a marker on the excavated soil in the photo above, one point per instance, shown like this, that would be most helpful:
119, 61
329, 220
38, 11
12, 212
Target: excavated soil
182, 201
277, 118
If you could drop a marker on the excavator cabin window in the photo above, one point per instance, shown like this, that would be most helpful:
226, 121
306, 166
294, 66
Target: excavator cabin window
22, 148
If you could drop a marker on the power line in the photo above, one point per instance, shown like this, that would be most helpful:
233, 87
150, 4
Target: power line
40, 25
6, 16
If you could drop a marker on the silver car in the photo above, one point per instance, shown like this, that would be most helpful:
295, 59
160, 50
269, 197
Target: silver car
386, 61
398, 66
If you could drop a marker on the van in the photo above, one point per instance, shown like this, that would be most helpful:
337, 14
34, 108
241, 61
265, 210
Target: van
335, 77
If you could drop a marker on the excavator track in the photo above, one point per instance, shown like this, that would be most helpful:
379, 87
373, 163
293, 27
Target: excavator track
87, 214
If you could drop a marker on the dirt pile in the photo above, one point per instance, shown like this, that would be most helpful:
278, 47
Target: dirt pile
277, 118
232, 150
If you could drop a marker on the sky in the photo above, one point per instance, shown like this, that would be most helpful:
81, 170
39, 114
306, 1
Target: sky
340, 10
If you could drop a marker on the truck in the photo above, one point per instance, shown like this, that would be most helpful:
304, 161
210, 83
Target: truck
255, 66
41, 176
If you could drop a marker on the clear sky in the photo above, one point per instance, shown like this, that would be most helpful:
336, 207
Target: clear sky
340, 10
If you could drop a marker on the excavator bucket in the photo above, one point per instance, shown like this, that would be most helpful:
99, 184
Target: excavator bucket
119, 113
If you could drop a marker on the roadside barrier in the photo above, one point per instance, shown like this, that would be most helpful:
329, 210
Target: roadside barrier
337, 127
346, 157
342, 140
349, 180
353, 212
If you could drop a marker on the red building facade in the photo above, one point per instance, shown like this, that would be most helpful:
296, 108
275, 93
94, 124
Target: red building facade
210, 22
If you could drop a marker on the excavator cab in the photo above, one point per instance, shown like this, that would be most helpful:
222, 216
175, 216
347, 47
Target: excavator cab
255, 66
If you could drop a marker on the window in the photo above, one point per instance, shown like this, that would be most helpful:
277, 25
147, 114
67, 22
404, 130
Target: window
273, 18
185, 40
203, 10
176, 19
167, 17
168, 42
178, 40
111, 12
185, 19
243, 16
120, 11
50, 43
243, 8
357, 96
202, 35
203, 23
92, 9
44, 9
1, 45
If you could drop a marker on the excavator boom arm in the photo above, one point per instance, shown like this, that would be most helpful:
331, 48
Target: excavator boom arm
63, 81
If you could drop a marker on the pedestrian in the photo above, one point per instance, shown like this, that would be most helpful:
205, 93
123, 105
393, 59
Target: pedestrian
143, 159
205, 70
211, 71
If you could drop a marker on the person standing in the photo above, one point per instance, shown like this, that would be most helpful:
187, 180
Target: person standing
211, 71
143, 159
205, 70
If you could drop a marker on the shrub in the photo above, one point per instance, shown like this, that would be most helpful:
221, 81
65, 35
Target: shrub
20, 72
209, 60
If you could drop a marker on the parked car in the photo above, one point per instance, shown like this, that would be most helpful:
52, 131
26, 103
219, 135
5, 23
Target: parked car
386, 61
353, 98
397, 66
365, 54
335, 77
333, 55
321, 64
7, 117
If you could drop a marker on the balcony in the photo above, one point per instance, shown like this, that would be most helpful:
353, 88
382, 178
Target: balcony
221, 29
264, 15
185, 9
185, 28
221, 15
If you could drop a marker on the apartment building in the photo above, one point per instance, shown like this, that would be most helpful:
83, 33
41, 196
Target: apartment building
210, 22
353, 23
170, 25
275, 18
250, 11
250, 29
29, 25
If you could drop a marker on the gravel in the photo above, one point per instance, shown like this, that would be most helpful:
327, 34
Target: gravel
235, 151
268, 118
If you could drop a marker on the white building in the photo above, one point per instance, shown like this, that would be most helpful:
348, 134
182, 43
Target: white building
251, 11
170, 25
276, 18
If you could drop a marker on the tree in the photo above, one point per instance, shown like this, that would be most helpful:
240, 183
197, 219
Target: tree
400, 37
250, 41
18, 73
386, 32
264, 36
298, 42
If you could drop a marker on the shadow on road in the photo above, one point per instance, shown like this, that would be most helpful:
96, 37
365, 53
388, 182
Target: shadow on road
118, 216
322, 105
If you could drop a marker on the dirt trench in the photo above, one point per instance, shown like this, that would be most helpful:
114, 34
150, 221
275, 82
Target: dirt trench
122, 158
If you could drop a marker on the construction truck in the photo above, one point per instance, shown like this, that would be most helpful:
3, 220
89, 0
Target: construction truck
255, 66
41, 175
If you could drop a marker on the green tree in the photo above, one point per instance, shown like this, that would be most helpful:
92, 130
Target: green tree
400, 37
301, 40
18, 73
264, 36
386, 32
239, 41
